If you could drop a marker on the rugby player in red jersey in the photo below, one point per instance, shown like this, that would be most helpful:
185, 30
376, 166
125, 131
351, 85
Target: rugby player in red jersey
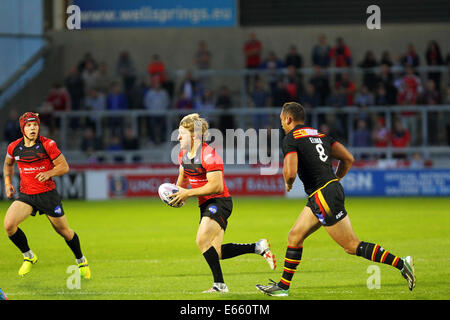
202, 168
38, 159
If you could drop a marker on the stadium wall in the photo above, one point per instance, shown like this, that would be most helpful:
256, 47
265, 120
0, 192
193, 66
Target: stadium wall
177, 46
103, 184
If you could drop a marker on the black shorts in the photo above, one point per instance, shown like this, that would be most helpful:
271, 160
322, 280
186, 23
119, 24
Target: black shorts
327, 203
218, 209
48, 203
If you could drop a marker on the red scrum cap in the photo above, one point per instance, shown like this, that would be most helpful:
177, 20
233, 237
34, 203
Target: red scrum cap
28, 117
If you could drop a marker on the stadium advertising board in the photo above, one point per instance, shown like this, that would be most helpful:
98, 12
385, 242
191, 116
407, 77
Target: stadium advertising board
430, 182
69, 186
156, 13
138, 185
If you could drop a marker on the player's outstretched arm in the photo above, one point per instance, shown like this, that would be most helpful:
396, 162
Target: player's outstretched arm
339, 152
8, 172
60, 167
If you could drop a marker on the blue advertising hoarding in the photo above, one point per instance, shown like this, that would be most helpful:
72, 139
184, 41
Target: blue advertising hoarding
426, 182
156, 13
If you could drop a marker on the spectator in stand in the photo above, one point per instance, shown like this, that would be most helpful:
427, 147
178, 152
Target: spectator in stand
348, 86
130, 141
103, 79
411, 87
385, 79
293, 58
57, 100
252, 51
381, 98
321, 85
168, 85
369, 77
410, 58
90, 76
184, 102
380, 134
12, 131
90, 144
116, 100
157, 99
386, 59
83, 63
362, 137
126, 70
115, 145
320, 53
273, 65
447, 115
309, 100
75, 87
431, 97
434, 58
202, 58
156, 69
188, 86
280, 95
364, 97
224, 102
338, 98
447, 62
400, 138
94, 101
341, 56
205, 101
260, 99
293, 82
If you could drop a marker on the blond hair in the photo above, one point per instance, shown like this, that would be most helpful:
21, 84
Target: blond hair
197, 126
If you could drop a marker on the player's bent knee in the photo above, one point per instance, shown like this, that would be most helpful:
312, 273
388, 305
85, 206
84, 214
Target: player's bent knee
10, 228
295, 238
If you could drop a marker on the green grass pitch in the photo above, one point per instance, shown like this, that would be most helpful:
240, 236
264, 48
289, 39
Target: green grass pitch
143, 249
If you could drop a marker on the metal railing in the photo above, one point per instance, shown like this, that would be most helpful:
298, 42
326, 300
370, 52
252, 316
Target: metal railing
244, 120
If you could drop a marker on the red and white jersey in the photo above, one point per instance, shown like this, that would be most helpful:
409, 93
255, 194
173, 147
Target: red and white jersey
33, 160
195, 169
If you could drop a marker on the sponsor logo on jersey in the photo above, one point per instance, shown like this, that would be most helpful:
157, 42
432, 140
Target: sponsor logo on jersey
306, 132
212, 209
58, 210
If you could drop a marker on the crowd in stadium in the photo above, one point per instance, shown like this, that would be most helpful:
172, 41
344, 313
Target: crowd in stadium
93, 85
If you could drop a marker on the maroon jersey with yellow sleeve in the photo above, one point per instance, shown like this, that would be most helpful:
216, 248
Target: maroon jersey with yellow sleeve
33, 160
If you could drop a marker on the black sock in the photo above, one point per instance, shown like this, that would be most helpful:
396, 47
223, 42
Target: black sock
74, 245
20, 240
230, 250
376, 253
291, 262
212, 258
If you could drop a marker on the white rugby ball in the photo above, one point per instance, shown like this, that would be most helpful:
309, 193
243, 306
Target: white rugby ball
167, 189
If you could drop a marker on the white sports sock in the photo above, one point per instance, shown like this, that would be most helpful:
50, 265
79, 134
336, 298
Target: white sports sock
29, 254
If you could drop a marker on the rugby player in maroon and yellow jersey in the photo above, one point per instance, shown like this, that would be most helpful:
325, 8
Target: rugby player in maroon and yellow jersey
38, 159
202, 168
